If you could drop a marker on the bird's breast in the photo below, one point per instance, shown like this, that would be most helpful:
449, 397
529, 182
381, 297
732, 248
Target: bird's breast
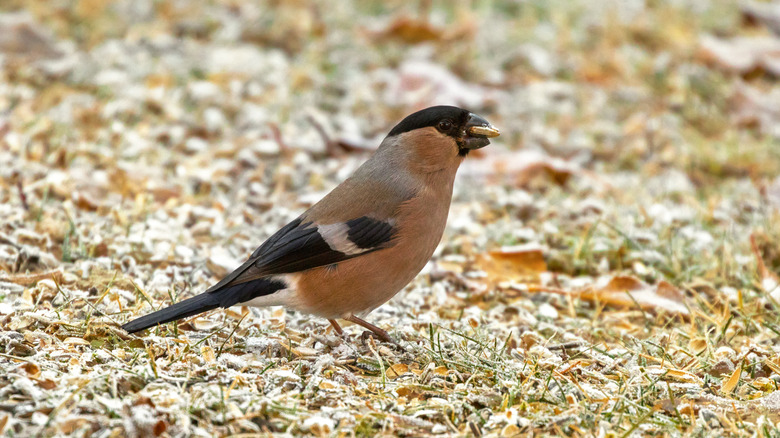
361, 284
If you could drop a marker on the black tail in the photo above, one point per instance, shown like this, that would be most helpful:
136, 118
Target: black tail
191, 306
225, 296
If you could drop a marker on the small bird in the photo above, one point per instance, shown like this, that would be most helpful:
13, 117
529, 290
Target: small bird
364, 241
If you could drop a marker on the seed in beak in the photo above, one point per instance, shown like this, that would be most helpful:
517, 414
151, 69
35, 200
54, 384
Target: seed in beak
483, 131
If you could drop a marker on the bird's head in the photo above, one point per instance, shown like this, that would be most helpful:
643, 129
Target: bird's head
439, 135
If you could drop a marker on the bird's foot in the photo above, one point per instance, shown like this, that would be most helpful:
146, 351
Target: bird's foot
374, 331
336, 327
364, 337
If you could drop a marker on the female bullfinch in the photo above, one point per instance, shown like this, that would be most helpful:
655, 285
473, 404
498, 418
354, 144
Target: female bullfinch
365, 240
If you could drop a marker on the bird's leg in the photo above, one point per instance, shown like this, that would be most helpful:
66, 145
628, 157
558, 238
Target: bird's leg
381, 334
336, 327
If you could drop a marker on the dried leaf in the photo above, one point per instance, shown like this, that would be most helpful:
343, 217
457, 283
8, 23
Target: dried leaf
512, 263
328, 384
626, 291
411, 392
159, 427
70, 425
396, 371
76, 341
731, 383
306, 351
536, 174
204, 324
20, 323
511, 430
299, 351
689, 409
32, 369
683, 376
411, 30
46, 384
697, 345
775, 367
208, 354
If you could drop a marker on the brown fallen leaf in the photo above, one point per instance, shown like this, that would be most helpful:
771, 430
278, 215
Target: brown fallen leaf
299, 351
626, 291
328, 384
204, 324
411, 30
32, 369
731, 383
537, 174
208, 354
70, 425
85, 201
396, 371
697, 345
46, 384
415, 391
682, 376
772, 365
512, 263
75, 341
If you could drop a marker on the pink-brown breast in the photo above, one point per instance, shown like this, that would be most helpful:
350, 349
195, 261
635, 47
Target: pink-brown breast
360, 285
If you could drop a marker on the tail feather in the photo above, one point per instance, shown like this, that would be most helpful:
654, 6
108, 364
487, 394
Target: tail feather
191, 306
225, 296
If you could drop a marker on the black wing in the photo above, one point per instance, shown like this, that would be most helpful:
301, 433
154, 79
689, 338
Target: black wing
299, 246
296, 247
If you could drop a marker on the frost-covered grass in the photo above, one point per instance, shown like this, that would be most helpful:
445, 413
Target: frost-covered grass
609, 269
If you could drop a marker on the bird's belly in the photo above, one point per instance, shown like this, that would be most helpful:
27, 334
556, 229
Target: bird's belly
361, 284
357, 286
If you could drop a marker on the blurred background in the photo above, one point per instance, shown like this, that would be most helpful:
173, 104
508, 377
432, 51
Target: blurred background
147, 147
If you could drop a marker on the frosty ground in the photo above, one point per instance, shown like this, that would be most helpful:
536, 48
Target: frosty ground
609, 267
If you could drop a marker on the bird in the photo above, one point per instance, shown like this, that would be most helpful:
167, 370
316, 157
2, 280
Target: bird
364, 241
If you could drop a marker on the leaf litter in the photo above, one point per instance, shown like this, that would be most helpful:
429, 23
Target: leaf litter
609, 268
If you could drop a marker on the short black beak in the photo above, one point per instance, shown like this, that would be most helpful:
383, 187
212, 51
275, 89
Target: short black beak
477, 132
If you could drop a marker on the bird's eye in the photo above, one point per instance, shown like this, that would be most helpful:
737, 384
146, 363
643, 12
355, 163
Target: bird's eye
445, 125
